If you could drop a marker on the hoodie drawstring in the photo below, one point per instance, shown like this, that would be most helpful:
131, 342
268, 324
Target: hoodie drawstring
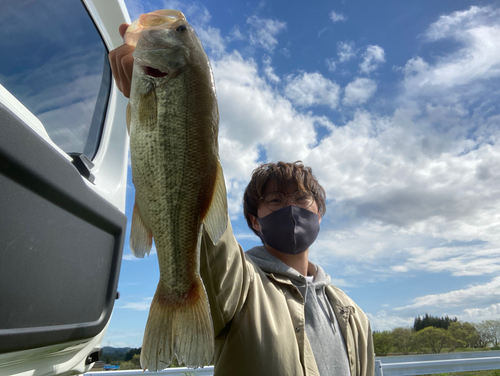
330, 310
331, 314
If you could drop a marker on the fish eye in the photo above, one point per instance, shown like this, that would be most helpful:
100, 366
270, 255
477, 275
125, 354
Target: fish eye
181, 28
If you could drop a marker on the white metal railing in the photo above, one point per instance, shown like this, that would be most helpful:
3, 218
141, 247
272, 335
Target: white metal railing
206, 371
430, 364
408, 365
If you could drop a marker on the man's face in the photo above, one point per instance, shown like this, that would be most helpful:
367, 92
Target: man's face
264, 211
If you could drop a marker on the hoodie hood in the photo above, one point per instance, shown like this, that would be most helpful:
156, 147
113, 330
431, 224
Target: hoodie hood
270, 264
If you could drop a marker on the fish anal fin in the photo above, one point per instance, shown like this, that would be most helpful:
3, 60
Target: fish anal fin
141, 237
215, 222
178, 329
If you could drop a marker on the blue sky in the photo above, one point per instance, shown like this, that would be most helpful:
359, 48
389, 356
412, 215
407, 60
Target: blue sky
395, 106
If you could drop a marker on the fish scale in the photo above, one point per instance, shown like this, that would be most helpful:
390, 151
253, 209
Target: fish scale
179, 183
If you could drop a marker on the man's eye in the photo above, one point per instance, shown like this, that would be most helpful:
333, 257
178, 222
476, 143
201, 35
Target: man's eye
275, 201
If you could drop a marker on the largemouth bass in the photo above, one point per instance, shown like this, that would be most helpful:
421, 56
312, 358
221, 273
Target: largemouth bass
173, 123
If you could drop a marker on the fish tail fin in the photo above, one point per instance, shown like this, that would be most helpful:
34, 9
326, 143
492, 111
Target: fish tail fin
141, 237
182, 330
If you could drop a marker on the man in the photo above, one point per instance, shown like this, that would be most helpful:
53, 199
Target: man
274, 312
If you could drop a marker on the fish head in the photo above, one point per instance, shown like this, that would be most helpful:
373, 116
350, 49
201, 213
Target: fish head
164, 43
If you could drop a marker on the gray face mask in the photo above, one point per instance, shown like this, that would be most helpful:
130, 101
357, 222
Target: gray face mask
290, 230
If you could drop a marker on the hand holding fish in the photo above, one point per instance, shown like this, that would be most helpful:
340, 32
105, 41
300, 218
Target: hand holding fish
122, 63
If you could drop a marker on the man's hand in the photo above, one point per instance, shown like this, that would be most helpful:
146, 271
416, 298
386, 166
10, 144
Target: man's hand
122, 62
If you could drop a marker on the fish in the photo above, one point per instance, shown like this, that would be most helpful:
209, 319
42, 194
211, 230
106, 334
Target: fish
173, 123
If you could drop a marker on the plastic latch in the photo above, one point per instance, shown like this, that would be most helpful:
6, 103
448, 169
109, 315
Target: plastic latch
94, 356
83, 165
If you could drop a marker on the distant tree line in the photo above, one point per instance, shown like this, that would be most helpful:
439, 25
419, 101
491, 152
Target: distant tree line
129, 359
428, 320
130, 354
450, 335
114, 355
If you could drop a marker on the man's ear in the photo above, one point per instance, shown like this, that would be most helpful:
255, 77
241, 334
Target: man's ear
319, 217
255, 222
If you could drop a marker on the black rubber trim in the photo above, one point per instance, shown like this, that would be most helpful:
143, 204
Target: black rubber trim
101, 107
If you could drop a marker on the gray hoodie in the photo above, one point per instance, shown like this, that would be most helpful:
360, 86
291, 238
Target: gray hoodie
322, 328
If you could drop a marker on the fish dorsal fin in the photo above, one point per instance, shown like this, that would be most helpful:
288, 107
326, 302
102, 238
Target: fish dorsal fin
216, 219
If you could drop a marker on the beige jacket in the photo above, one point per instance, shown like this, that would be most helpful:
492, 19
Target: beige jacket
259, 319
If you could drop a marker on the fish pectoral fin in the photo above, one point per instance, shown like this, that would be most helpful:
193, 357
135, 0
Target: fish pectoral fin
147, 111
216, 219
128, 117
141, 237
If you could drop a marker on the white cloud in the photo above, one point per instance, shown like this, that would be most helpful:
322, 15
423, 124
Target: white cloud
454, 23
492, 312
383, 321
336, 17
269, 70
195, 13
464, 297
323, 30
131, 257
463, 259
346, 51
312, 89
235, 34
359, 91
477, 30
340, 282
247, 236
372, 58
211, 38
330, 63
285, 52
142, 305
123, 338
263, 32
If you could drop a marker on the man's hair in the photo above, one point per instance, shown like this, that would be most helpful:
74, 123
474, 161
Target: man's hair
283, 175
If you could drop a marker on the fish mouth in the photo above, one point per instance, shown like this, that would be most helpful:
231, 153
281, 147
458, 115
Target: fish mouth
153, 72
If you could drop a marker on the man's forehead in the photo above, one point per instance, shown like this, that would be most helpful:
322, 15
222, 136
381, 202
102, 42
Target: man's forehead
273, 186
